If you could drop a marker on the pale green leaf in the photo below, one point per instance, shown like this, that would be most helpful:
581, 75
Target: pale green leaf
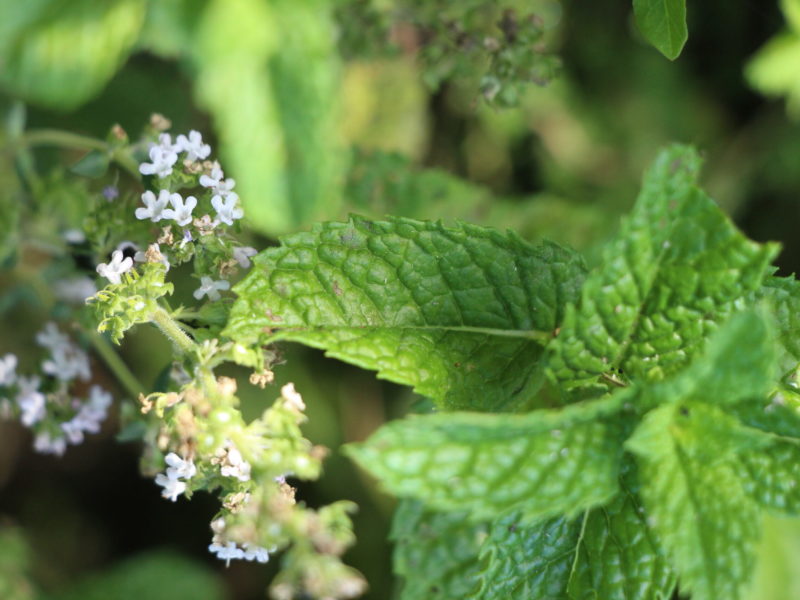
608, 552
305, 74
436, 553
773, 70
791, 10
676, 270
777, 576
61, 54
663, 23
234, 42
459, 313
782, 295
695, 501
771, 476
541, 464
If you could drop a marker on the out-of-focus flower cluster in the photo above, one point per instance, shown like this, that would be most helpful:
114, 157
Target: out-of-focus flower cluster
48, 402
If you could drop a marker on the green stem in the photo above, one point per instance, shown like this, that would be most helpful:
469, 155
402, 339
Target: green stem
182, 342
65, 139
116, 364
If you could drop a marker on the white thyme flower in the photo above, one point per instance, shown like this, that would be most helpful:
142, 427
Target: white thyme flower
30, 400
67, 363
227, 210
51, 337
209, 287
8, 367
45, 444
181, 210
233, 465
179, 467
257, 553
172, 487
162, 159
293, 399
242, 256
73, 431
218, 185
113, 271
74, 290
153, 206
92, 412
193, 146
227, 552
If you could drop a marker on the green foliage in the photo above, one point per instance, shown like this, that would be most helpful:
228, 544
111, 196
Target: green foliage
542, 464
459, 313
663, 23
676, 269
682, 313
436, 552
772, 71
14, 565
607, 552
60, 54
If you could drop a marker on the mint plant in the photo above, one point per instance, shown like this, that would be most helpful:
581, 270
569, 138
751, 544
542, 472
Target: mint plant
598, 433
609, 432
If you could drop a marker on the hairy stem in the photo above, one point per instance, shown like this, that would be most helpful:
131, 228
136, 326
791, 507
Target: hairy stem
169, 327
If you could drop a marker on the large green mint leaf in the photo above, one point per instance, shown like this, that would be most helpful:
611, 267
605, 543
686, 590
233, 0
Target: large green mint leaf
677, 268
61, 54
694, 497
608, 552
461, 314
436, 553
542, 464
663, 23
772, 476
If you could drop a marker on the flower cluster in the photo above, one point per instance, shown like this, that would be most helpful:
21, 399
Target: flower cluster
229, 551
188, 221
177, 469
45, 404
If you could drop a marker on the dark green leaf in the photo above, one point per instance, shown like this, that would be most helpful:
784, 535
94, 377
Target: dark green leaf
663, 23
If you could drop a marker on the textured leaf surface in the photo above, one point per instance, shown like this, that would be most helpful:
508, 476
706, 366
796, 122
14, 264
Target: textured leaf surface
436, 553
663, 23
61, 54
459, 313
542, 463
693, 494
772, 476
677, 269
738, 363
607, 553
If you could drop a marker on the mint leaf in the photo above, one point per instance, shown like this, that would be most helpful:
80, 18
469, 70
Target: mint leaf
608, 552
772, 476
436, 553
694, 497
663, 23
778, 413
61, 54
542, 464
461, 314
677, 269
783, 297
737, 364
